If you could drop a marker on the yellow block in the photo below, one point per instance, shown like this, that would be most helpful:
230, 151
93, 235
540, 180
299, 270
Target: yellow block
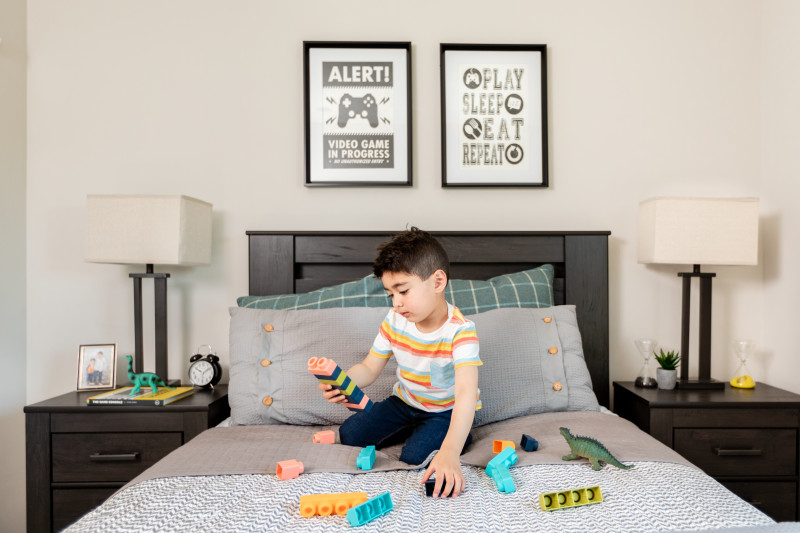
550, 501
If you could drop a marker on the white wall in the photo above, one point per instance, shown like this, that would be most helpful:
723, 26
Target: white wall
12, 263
780, 190
205, 98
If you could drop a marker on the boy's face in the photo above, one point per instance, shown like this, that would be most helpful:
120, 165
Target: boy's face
419, 301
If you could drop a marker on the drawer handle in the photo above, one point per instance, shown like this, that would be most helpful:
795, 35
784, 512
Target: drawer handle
101, 457
722, 452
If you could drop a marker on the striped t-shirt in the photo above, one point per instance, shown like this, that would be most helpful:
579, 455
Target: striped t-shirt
426, 362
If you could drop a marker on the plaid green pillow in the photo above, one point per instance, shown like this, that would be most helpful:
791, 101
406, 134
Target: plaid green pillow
366, 292
529, 288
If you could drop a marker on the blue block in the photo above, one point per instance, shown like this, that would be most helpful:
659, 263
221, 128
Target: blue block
502, 460
429, 486
366, 458
370, 510
528, 443
356, 397
503, 481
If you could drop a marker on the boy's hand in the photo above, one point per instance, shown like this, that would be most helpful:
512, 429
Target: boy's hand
331, 394
449, 478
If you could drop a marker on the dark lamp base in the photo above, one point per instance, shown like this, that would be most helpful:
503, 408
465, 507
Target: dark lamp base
701, 384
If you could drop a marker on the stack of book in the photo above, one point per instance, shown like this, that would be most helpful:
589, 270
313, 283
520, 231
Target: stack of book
145, 396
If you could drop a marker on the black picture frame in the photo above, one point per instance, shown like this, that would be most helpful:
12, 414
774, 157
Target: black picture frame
357, 111
494, 115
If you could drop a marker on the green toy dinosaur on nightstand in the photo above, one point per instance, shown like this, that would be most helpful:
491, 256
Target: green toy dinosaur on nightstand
591, 449
145, 379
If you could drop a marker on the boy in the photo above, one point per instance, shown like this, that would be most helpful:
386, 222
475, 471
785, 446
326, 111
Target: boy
436, 394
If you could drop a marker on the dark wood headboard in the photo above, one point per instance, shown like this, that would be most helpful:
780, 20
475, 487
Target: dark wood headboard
292, 262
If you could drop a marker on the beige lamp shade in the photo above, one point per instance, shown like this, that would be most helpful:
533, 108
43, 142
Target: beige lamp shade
142, 229
698, 231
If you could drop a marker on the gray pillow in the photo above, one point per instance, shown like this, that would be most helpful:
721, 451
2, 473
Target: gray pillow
270, 382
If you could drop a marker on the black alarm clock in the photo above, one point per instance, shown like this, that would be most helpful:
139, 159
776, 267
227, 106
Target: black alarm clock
204, 370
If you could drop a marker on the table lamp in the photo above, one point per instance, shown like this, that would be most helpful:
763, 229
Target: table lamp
149, 230
698, 231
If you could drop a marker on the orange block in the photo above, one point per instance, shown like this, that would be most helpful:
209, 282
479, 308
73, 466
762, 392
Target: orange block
327, 504
321, 366
499, 445
289, 469
324, 437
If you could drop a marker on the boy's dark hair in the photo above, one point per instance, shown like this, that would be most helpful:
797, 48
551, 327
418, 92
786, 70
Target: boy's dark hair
412, 251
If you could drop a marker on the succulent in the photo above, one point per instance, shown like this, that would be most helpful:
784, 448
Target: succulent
669, 360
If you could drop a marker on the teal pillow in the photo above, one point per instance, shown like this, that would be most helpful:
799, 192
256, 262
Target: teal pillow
529, 288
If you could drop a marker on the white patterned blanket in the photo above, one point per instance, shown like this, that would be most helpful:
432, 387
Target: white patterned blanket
651, 497
224, 480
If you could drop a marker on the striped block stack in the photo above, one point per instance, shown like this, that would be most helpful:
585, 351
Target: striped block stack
327, 371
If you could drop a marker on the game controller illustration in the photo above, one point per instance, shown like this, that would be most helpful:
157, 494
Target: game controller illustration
353, 106
472, 78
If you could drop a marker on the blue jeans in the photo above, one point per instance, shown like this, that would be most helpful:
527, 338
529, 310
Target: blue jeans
391, 421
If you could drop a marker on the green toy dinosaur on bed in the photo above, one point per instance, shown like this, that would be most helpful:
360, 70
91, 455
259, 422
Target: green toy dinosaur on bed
145, 379
591, 449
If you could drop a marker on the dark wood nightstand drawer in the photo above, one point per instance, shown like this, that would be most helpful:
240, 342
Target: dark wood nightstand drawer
739, 452
70, 504
778, 499
108, 456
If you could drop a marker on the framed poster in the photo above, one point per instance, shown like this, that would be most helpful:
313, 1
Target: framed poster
494, 115
357, 99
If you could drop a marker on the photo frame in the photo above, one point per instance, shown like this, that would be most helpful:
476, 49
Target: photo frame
97, 366
357, 107
494, 115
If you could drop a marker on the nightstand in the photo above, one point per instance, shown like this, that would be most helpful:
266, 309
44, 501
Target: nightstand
747, 439
77, 455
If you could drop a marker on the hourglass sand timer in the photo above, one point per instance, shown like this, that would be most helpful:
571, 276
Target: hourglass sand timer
646, 348
743, 349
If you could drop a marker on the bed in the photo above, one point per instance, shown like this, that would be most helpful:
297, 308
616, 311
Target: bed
540, 304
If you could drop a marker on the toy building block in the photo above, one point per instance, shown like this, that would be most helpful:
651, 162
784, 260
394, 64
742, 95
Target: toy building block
328, 372
502, 460
366, 458
289, 469
503, 481
528, 443
498, 469
327, 504
324, 437
499, 445
552, 501
429, 486
370, 510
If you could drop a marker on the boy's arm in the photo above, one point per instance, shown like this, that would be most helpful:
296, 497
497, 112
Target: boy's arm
446, 464
362, 374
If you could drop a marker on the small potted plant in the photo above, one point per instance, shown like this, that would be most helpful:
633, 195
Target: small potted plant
667, 375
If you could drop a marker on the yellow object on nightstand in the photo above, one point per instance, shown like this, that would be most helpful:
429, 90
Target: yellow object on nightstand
743, 382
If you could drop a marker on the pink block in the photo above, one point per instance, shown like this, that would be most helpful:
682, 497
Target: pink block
325, 437
321, 366
361, 405
289, 469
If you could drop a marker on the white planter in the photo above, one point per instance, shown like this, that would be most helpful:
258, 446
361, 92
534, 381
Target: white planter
667, 379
